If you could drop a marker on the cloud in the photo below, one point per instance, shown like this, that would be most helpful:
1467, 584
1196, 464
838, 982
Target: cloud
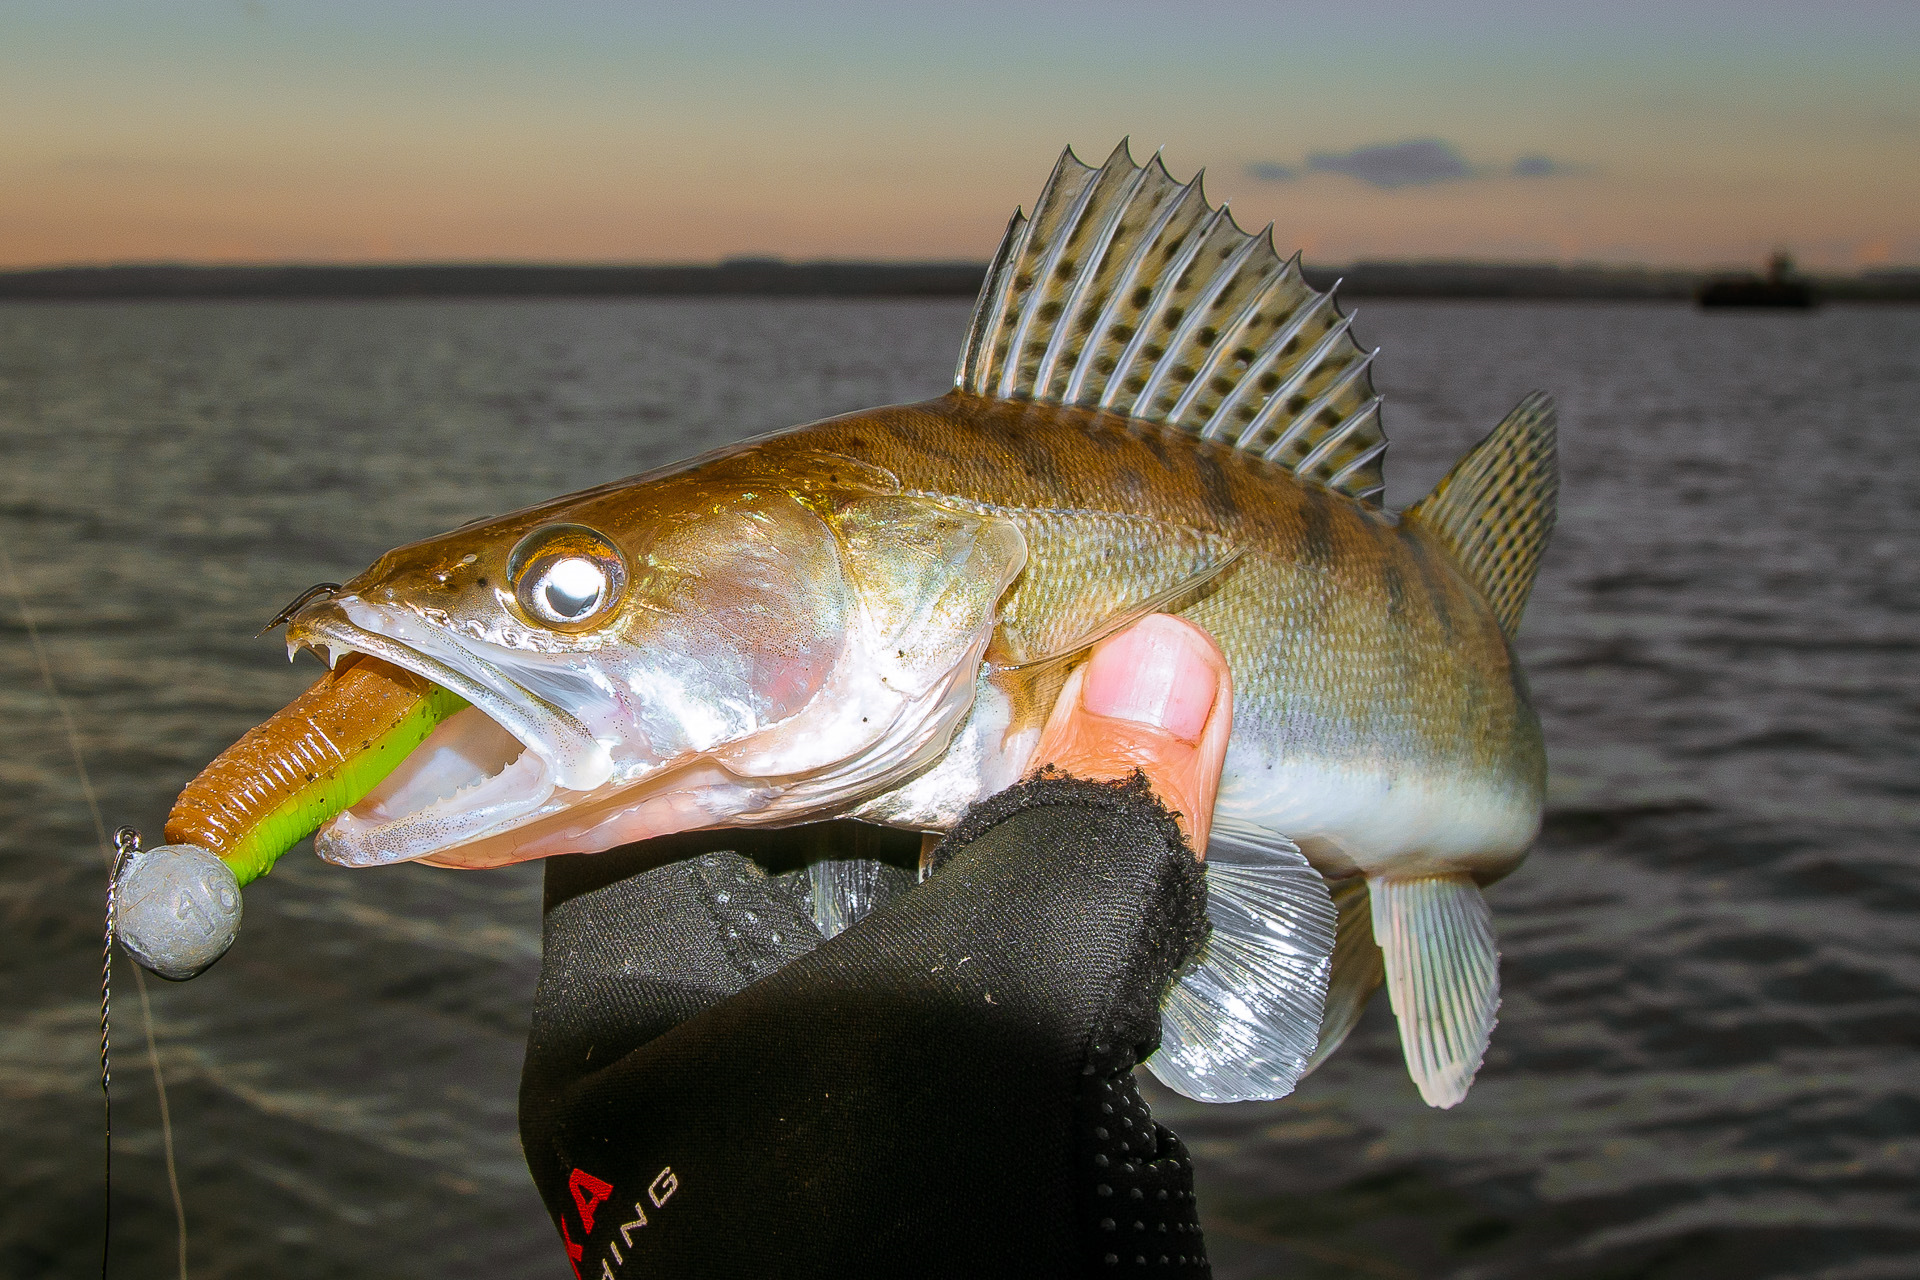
1268, 171
1538, 166
1417, 162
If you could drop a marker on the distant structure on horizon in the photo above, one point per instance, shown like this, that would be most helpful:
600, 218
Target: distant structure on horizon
1780, 287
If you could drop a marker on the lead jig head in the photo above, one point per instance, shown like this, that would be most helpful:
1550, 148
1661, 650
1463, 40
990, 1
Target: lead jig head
176, 907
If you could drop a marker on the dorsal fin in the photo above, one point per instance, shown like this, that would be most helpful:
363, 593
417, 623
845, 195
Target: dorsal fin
1495, 509
1126, 291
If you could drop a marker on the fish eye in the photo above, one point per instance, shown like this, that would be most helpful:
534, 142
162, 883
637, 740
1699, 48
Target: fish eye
565, 575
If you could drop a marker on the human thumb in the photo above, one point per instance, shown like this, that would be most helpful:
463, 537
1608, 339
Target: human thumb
1157, 697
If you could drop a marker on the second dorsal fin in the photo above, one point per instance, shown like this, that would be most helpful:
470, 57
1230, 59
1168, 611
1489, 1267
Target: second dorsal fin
1495, 510
1126, 291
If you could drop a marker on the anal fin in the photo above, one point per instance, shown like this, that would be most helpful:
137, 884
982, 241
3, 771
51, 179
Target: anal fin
1357, 967
1241, 1023
1443, 976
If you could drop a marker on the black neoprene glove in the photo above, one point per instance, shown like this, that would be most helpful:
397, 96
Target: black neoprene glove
944, 1089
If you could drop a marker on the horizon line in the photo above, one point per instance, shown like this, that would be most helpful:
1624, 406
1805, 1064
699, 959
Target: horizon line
775, 261
768, 277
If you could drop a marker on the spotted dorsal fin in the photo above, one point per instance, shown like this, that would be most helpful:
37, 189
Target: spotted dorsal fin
1126, 291
1495, 510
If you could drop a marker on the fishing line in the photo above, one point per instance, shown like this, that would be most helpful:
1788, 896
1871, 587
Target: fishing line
125, 841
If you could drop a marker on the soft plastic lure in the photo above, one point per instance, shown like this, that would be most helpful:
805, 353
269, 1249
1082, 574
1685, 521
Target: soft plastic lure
320, 754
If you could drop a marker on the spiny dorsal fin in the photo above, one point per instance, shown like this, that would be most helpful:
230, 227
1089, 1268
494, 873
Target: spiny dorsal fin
1495, 509
1126, 291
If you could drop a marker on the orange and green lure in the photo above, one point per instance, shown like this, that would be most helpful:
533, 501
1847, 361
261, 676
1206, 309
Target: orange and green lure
317, 756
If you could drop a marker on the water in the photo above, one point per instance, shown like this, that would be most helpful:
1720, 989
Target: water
1704, 1065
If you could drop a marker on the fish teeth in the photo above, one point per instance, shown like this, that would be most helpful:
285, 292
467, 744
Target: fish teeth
469, 787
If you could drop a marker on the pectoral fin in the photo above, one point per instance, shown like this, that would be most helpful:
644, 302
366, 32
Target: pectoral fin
930, 577
1090, 573
839, 893
1443, 976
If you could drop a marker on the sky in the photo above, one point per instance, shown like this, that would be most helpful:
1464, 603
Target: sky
1686, 133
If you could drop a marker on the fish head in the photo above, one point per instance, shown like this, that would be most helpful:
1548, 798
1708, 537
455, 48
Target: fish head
728, 646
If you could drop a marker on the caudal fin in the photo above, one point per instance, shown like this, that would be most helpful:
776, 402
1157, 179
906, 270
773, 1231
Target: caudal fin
1443, 976
1495, 509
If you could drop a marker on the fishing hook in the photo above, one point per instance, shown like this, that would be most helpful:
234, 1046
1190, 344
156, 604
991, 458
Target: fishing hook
299, 603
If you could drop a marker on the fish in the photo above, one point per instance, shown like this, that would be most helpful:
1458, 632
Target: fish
869, 617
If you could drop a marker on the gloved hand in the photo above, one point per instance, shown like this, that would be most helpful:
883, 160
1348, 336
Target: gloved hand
944, 1088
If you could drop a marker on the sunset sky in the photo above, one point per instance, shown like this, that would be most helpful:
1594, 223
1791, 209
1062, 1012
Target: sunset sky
264, 130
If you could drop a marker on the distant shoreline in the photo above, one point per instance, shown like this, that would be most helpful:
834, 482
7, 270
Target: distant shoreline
772, 278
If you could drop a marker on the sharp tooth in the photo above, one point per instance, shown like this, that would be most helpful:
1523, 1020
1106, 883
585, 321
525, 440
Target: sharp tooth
333, 655
292, 648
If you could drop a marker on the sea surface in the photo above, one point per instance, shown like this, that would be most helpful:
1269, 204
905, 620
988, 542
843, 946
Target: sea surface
1706, 1061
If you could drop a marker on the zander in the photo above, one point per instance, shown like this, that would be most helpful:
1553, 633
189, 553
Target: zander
870, 617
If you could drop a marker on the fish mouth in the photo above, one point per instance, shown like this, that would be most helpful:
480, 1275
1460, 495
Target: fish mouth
485, 770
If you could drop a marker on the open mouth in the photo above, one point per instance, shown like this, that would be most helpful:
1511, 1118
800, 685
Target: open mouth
483, 771
468, 780
512, 776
